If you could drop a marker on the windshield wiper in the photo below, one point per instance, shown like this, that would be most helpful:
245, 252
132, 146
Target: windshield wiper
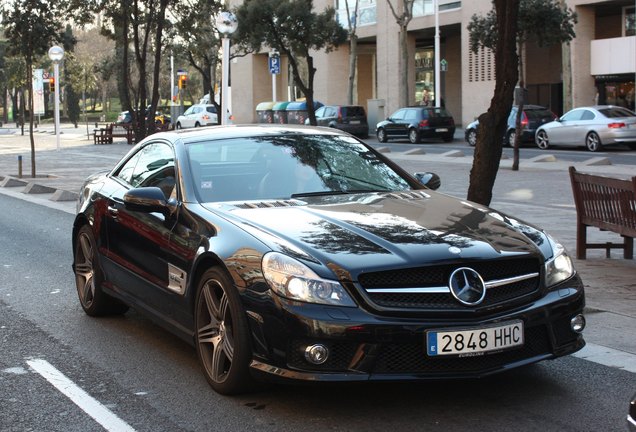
340, 192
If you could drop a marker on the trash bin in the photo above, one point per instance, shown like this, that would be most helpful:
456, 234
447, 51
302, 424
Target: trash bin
297, 111
280, 112
264, 112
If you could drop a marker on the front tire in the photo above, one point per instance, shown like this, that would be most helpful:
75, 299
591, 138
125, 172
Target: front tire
593, 142
542, 140
510, 138
414, 136
472, 138
89, 278
222, 334
381, 134
179, 125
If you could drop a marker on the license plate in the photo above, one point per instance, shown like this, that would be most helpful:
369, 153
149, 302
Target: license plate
354, 122
441, 130
477, 340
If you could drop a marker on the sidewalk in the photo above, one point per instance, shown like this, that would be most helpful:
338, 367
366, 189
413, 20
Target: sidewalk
539, 193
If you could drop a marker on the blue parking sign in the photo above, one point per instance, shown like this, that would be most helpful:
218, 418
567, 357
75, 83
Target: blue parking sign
274, 65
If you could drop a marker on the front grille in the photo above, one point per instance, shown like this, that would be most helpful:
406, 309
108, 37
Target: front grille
437, 276
412, 358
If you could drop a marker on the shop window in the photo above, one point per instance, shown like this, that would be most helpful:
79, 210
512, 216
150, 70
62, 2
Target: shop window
629, 20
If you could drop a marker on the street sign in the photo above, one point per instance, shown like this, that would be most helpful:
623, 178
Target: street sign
443, 65
274, 65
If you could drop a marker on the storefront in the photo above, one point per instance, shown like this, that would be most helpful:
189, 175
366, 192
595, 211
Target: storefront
616, 90
425, 76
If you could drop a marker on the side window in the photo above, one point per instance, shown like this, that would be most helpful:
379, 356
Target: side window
588, 115
211, 109
189, 111
412, 115
126, 172
398, 115
153, 166
320, 112
572, 116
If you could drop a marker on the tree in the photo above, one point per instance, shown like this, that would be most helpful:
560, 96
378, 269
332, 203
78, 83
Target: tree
139, 24
492, 124
352, 26
201, 43
403, 17
31, 26
293, 29
548, 22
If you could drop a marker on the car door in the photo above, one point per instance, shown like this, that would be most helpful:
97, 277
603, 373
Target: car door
395, 126
320, 116
138, 240
568, 129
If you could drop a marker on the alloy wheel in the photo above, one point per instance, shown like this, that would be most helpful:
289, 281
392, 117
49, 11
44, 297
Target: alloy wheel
542, 140
593, 142
472, 138
382, 135
84, 270
414, 136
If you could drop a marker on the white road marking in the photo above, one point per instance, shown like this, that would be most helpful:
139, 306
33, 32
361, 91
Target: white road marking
608, 357
86, 402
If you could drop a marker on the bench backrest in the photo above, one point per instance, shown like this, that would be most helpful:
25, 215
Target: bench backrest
605, 202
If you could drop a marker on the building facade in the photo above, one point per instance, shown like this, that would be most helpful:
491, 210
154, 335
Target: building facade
602, 61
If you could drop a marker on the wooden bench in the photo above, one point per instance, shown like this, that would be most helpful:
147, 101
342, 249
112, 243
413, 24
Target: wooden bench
605, 203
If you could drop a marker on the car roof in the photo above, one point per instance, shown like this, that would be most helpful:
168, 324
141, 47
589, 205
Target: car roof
246, 131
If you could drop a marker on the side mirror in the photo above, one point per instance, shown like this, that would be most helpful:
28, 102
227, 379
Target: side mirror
149, 200
428, 179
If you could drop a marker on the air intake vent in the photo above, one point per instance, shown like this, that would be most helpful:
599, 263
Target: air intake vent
269, 204
411, 195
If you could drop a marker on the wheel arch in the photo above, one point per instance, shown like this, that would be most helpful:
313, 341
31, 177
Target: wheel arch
203, 263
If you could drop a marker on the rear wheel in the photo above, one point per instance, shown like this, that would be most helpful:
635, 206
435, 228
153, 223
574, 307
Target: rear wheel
178, 125
197, 124
593, 142
472, 137
542, 140
414, 136
381, 134
89, 278
222, 335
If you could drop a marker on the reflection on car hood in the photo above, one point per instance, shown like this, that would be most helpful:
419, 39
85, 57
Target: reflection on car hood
382, 230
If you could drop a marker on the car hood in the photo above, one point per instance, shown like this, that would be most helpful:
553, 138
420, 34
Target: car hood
362, 232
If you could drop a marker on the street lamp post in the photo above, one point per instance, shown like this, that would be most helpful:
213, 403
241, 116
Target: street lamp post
438, 84
56, 54
226, 24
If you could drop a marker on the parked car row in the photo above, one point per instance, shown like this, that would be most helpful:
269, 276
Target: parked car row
592, 127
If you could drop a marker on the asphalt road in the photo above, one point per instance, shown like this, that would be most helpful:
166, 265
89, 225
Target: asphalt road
150, 380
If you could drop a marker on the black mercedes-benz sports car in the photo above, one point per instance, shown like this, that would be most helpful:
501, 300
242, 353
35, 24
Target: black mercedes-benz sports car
301, 253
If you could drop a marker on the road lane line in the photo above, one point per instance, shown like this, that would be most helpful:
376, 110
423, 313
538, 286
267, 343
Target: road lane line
608, 357
86, 402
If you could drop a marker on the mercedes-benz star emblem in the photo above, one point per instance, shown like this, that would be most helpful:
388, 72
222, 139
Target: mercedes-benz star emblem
467, 286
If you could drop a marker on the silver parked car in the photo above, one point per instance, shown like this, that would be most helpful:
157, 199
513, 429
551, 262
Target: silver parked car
593, 127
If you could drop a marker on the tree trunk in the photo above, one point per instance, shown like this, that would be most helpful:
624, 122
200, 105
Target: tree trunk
353, 55
492, 124
520, 102
404, 66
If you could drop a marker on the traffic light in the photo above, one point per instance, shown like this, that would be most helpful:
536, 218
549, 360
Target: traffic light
52, 85
183, 82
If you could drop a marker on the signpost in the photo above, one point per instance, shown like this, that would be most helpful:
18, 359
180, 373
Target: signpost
274, 69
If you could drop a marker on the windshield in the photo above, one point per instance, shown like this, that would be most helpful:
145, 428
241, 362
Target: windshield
279, 167
616, 112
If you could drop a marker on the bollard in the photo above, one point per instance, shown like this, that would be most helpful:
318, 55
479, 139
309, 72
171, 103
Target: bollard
20, 166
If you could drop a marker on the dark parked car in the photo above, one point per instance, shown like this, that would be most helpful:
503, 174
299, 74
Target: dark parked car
351, 118
300, 253
416, 123
532, 117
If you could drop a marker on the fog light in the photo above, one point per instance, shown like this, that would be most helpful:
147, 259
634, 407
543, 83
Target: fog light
316, 354
578, 323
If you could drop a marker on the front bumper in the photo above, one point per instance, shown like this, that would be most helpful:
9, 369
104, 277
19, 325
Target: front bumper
365, 346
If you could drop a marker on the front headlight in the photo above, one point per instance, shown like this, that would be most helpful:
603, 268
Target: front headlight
559, 267
292, 279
